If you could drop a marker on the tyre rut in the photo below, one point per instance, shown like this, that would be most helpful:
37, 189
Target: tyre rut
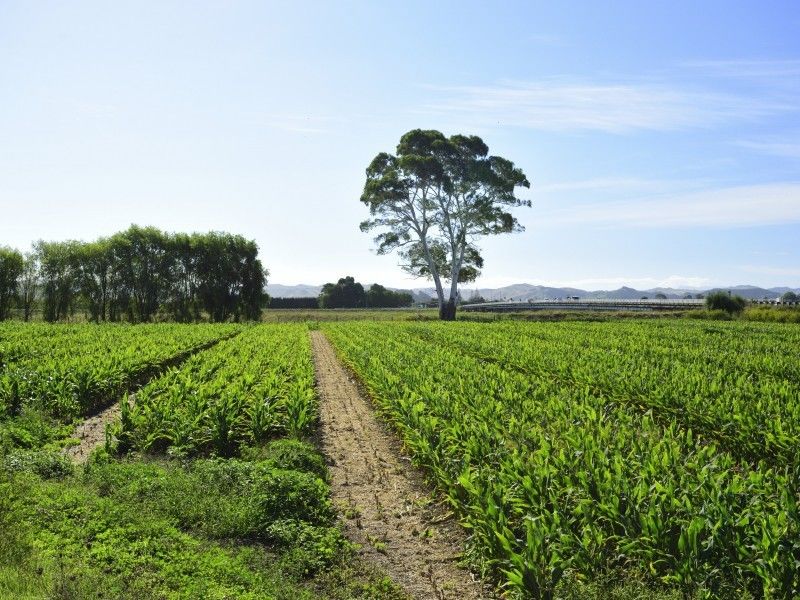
385, 504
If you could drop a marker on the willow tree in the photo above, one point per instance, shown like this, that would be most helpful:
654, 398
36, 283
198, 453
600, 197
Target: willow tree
11, 267
433, 199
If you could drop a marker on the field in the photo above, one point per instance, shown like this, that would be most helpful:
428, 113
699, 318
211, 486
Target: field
619, 458
206, 487
665, 450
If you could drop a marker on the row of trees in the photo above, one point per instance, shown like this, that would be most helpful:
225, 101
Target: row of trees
137, 275
348, 293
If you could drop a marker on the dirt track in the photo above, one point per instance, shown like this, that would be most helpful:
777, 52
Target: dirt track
384, 502
92, 433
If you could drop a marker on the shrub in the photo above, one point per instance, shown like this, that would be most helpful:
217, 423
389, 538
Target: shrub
732, 305
278, 494
47, 464
289, 454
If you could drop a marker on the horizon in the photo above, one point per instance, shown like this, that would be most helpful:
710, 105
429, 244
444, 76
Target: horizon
661, 144
468, 287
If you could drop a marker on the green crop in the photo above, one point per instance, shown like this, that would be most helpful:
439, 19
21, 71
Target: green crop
565, 448
244, 390
70, 370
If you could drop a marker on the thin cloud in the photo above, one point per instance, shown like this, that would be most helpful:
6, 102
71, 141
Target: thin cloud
306, 124
743, 206
788, 149
779, 271
616, 184
558, 105
641, 283
748, 68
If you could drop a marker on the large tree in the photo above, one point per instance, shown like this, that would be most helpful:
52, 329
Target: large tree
433, 199
345, 293
11, 267
28, 284
380, 297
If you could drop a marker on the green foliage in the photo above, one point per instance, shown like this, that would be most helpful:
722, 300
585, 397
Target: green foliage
67, 371
345, 293
11, 268
143, 273
90, 546
431, 201
772, 314
379, 297
217, 497
790, 297
243, 391
293, 455
306, 303
32, 430
48, 464
578, 449
158, 528
320, 315
732, 305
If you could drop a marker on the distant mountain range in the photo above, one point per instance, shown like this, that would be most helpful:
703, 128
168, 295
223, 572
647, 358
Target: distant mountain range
525, 291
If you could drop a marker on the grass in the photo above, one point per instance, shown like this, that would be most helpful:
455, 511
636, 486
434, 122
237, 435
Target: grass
258, 526
291, 315
208, 528
772, 314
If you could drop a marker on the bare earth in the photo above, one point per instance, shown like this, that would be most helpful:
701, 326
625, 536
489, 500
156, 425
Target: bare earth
384, 502
92, 433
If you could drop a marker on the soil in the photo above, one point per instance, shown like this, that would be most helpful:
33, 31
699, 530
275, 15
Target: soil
92, 433
386, 506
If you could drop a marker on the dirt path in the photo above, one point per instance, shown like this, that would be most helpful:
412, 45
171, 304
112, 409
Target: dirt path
385, 504
92, 433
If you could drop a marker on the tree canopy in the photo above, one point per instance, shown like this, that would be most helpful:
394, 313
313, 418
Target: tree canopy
789, 297
381, 297
433, 199
345, 293
722, 301
143, 273
11, 267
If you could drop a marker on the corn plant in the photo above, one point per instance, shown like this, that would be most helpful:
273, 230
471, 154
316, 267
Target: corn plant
561, 457
243, 390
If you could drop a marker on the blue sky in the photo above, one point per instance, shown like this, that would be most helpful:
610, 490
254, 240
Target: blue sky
662, 139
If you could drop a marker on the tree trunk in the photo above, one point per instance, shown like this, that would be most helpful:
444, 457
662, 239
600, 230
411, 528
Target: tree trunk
447, 312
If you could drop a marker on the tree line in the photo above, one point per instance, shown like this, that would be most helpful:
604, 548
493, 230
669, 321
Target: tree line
138, 275
348, 293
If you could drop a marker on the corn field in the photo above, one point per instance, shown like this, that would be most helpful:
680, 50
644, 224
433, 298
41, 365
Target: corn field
662, 450
665, 450
242, 391
70, 370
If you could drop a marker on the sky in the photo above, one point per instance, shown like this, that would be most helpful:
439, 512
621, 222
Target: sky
661, 139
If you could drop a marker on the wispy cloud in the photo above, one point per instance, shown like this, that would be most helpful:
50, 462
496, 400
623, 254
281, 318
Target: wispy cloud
617, 184
774, 147
560, 105
607, 283
779, 271
743, 206
748, 68
308, 124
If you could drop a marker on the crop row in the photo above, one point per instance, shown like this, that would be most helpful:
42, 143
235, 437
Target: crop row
68, 371
242, 391
553, 478
727, 381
